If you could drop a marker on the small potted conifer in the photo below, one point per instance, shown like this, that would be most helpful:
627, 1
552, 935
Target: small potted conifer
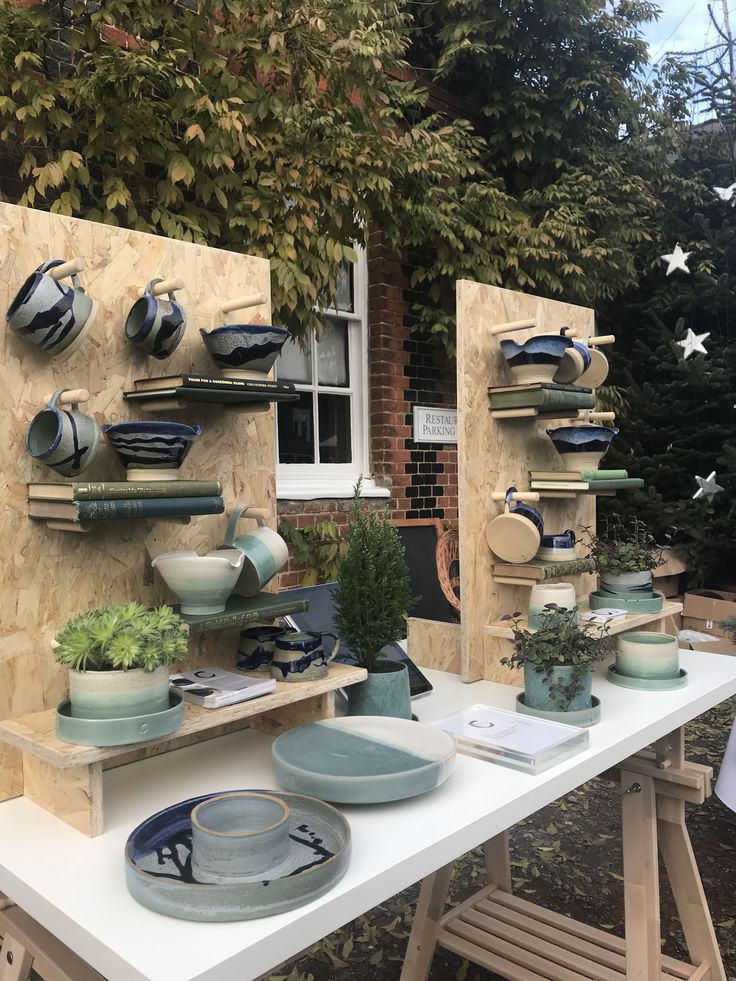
372, 600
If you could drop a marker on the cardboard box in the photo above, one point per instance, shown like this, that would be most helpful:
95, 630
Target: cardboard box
705, 608
716, 646
667, 575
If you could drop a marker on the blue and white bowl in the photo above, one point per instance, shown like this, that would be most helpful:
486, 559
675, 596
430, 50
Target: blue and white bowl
240, 349
557, 548
536, 360
151, 450
582, 447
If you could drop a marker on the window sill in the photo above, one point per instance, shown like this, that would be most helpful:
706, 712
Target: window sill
322, 487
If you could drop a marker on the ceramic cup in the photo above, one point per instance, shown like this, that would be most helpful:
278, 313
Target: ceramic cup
575, 361
300, 656
237, 835
256, 645
562, 594
50, 314
515, 535
64, 439
597, 371
156, 325
648, 655
557, 548
265, 551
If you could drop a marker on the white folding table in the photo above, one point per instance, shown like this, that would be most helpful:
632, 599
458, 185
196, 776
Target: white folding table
74, 886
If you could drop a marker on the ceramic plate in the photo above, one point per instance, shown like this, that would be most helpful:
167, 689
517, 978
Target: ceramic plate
363, 759
119, 732
158, 864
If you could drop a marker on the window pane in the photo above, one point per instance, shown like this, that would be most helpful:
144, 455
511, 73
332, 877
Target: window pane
344, 292
294, 365
332, 355
334, 429
296, 430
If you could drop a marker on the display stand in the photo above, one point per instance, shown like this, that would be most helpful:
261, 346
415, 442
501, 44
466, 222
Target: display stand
28, 951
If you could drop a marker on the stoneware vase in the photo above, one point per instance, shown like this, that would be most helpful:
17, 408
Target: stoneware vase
155, 325
536, 360
582, 447
542, 595
237, 835
201, 583
648, 655
515, 535
538, 686
300, 656
152, 450
256, 647
118, 694
64, 439
51, 314
265, 551
244, 350
383, 692
557, 548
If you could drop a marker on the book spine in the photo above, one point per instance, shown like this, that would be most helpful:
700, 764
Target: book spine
544, 399
604, 475
236, 384
133, 489
630, 482
152, 508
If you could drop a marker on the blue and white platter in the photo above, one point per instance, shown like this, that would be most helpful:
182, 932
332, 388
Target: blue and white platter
158, 864
363, 759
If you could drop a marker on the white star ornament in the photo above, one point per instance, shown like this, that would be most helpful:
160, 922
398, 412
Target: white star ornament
677, 259
707, 486
692, 343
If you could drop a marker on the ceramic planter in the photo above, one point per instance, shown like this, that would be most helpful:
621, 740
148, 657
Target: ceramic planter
536, 360
118, 694
627, 582
64, 439
648, 655
543, 594
156, 325
582, 447
631, 602
201, 583
538, 686
241, 349
382, 693
151, 450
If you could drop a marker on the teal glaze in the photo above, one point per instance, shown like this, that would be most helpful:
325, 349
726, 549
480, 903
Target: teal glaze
631, 603
237, 835
647, 684
118, 694
382, 693
119, 732
265, 551
537, 689
583, 717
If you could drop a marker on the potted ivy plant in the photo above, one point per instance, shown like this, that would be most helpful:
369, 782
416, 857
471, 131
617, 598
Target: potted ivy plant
372, 600
557, 658
625, 553
118, 659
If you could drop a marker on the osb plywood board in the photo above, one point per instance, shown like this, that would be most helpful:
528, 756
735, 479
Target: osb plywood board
432, 644
46, 576
496, 454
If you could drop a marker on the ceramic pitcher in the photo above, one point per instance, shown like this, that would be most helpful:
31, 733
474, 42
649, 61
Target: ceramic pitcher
266, 552
49, 313
155, 324
65, 439
301, 656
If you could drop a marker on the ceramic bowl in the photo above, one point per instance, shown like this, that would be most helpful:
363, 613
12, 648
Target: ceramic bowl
536, 360
557, 548
648, 655
201, 583
575, 361
238, 834
151, 450
582, 447
241, 348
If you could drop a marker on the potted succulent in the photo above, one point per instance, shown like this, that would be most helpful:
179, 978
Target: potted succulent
372, 600
625, 553
557, 659
118, 659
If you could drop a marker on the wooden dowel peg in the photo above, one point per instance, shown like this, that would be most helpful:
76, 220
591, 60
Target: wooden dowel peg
242, 302
600, 341
516, 496
596, 416
515, 325
257, 513
67, 269
68, 398
166, 286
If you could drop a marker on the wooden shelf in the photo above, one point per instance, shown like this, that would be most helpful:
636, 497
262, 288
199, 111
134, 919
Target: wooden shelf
242, 610
532, 412
507, 573
629, 622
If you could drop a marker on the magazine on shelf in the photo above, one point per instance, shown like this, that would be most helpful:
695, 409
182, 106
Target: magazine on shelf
212, 687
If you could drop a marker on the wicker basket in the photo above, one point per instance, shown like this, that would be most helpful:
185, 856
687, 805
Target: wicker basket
447, 554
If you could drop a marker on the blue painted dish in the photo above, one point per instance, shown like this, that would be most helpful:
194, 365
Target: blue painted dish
151, 446
236, 348
366, 759
158, 864
536, 360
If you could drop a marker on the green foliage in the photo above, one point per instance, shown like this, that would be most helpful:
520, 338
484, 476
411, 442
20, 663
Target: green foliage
373, 596
321, 547
120, 638
624, 545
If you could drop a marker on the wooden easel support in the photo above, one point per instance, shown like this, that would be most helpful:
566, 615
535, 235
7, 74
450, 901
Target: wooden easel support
26, 944
525, 942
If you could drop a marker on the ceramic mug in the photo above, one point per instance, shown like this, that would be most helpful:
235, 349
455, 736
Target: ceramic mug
256, 644
575, 361
300, 656
49, 313
64, 439
515, 535
156, 325
266, 552
558, 548
543, 595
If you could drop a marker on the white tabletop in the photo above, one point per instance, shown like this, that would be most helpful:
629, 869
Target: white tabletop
75, 886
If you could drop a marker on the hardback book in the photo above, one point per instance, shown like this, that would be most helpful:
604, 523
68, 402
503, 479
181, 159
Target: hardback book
209, 381
212, 687
543, 399
171, 404
536, 571
282, 392
578, 475
521, 742
588, 485
113, 490
104, 510
536, 387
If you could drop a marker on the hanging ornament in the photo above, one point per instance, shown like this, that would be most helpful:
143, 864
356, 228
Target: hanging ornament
707, 486
677, 259
725, 193
693, 343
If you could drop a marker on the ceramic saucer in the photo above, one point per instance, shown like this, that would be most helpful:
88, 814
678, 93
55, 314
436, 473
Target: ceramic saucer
582, 717
118, 732
647, 684
632, 604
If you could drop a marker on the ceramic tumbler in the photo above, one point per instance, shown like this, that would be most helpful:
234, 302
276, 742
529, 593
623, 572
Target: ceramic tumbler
266, 552
154, 324
49, 313
256, 647
301, 656
65, 439
543, 595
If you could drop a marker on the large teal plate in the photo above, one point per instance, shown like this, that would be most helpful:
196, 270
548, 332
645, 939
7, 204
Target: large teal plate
633, 604
363, 759
119, 732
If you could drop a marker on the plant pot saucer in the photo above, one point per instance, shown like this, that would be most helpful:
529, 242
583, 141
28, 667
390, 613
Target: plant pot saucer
633, 604
581, 717
119, 732
646, 684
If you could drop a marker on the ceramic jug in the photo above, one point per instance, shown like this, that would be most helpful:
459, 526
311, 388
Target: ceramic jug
156, 325
301, 656
266, 552
49, 313
65, 439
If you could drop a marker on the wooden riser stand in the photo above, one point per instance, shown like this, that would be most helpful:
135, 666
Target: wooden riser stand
525, 942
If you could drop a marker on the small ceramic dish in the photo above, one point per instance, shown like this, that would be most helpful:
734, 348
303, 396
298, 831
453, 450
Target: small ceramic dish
243, 350
118, 732
580, 717
582, 447
201, 583
536, 360
151, 450
557, 548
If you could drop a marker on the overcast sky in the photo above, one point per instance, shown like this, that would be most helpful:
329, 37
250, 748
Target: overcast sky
683, 26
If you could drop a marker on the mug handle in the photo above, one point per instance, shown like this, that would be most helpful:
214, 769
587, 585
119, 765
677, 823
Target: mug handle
55, 396
327, 633
571, 534
507, 499
52, 264
235, 515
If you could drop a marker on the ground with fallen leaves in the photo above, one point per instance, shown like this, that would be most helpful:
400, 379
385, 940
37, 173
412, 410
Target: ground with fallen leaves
568, 857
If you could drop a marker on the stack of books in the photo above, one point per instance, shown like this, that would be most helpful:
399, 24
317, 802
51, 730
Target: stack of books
539, 399
172, 392
213, 688
561, 483
76, 506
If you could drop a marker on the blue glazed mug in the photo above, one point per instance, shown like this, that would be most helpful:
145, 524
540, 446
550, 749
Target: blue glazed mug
266, 552
49, 313
301, 656
256, 645
64, 439
155, 325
